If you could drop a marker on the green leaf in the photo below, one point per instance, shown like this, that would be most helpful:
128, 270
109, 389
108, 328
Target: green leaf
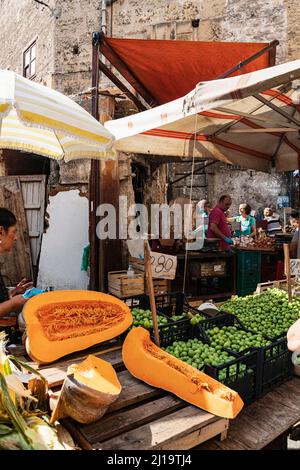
9, 406
5, 430
17, 362
6, 367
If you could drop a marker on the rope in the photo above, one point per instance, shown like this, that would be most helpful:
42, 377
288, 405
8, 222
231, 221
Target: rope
190, 200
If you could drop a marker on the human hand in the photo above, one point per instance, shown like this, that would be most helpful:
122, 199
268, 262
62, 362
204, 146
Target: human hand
21, 287
228, 240
18, 301
293, 336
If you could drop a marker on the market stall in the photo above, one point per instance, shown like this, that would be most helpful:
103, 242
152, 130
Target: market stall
214, 365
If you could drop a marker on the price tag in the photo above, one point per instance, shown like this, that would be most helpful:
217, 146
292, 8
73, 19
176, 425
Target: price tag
163, 266
295, 267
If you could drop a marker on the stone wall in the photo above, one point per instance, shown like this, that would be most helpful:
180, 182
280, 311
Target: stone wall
22, 23
220, 20
256, 188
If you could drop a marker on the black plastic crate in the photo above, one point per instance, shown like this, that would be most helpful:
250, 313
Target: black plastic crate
172, 303
143, 302
245, 383
270, 338
223, 319
275, 365
274, 361
168, 304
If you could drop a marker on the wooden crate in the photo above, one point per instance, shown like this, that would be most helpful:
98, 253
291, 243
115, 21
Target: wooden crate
281, 284
212, 268
161, 286
137, 264
122, 286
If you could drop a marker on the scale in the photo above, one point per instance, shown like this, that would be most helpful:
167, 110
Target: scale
209, 308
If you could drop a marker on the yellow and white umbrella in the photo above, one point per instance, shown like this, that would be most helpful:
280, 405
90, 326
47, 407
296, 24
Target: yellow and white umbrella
37, 119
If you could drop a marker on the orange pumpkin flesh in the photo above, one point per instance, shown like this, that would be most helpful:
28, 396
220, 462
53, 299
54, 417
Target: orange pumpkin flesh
154, 366
61, 322
88, 390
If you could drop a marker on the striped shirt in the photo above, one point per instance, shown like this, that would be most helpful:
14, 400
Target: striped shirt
273, 226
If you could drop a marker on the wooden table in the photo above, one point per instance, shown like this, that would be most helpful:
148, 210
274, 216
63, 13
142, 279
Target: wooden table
265, 423
143, 418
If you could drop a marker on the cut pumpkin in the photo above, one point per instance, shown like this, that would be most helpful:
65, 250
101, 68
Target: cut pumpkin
88, 390
154, 366
61, 322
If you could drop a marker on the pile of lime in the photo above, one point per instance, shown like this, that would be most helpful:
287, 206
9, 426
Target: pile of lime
268, 313
198, 354
196, 318
177, 317
231, 337
143, 318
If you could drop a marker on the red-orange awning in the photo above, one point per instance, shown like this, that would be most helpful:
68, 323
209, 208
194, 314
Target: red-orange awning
170, 69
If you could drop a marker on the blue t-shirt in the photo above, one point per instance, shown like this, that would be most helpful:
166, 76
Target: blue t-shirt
246, 225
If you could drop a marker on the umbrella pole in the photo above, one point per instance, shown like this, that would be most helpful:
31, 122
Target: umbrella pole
287, 269
149, 281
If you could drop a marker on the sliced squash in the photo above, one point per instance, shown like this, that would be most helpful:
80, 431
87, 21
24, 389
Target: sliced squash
154, 366
61, 322
88, 390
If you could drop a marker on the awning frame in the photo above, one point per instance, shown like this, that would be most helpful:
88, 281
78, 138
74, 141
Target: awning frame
101, 47
108, 52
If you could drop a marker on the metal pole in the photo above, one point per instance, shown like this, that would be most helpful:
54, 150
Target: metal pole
94, 182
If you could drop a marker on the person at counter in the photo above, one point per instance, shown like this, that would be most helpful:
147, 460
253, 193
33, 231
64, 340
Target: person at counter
248, 224
294, 246
217, 223
272, 219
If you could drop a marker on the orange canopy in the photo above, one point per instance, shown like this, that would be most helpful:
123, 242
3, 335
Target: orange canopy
170, 69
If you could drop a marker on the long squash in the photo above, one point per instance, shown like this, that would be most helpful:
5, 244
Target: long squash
154, 366
61, 322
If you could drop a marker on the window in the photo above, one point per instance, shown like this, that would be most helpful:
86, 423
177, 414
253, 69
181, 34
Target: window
29, 61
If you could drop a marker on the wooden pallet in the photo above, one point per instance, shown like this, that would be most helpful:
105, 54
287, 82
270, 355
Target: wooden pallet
142, 418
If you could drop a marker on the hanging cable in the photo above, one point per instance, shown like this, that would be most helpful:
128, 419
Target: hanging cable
190, 200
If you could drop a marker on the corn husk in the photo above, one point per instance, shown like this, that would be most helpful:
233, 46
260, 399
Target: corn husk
24, 424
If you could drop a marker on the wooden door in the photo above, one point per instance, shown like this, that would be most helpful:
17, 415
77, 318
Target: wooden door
17, 264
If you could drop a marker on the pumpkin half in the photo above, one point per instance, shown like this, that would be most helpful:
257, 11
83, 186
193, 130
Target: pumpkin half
154, 366
61, 322
88, 390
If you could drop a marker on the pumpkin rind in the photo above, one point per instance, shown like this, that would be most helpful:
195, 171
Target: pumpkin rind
169, 373
45, 350
83, 403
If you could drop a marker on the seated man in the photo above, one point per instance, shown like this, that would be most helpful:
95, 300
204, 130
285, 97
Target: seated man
273, 226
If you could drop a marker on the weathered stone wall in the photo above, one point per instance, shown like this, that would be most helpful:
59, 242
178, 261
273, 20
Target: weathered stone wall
23, 22
258, 189
73, 44
220, 20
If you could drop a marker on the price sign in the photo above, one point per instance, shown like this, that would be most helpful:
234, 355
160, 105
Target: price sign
295, 267
163, 266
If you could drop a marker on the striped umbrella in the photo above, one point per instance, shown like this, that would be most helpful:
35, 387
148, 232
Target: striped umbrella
37, 119
252, 120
